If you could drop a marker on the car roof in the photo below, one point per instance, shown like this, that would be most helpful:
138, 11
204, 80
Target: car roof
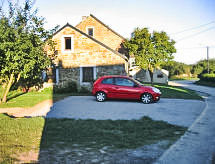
111, 76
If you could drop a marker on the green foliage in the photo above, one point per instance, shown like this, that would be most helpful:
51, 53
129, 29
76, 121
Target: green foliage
177, 68
207, 77
202, 67
84, 90
150, 49
22, 44
205, 83
70, 87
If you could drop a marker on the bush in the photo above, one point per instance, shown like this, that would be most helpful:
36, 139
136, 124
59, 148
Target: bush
84, 90
70, 87
207, 77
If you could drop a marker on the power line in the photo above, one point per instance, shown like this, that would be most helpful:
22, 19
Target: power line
193, 28
211, 28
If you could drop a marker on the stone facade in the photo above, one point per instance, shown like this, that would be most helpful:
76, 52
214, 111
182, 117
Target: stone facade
73, 74
75, 50
159, 76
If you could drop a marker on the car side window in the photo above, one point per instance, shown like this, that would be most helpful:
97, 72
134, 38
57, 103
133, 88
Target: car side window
107, 81
124, 82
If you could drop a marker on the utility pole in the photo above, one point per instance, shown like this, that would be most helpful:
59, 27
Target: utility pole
208, 58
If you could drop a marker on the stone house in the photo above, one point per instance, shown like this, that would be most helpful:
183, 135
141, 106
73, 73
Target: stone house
159, 75
88, 51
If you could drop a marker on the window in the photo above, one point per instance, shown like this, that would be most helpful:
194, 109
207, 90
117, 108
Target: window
68, 42
107, 81
87, 74
90, 31
160, 76
124, 82
67, 45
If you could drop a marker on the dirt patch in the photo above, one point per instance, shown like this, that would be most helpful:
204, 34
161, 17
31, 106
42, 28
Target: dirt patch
106, 155
27, 157
40, 109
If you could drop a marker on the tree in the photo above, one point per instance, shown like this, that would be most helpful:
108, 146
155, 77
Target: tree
22, 55
202, 67
177, 68
150, 49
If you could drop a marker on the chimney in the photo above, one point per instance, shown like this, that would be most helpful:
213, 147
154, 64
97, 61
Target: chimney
84, 17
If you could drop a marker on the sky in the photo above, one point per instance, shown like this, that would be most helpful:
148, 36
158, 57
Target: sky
191, 23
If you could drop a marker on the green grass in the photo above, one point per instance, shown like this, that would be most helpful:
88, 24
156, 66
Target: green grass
183, 78
25, 134
120, 134
169, 91
177, 92
20, 99
18, 135
205, 83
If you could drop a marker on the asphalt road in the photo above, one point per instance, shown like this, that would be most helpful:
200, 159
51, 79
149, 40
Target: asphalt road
175, 111
197, 146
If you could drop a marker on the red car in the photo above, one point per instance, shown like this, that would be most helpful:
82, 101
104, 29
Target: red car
124, 87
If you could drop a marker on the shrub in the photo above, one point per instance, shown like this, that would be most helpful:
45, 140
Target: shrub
207, 77
84, 90
70, 87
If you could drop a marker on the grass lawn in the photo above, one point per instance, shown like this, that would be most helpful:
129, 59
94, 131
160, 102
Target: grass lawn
169, 91
183, 78
25, 100
20, 135
205, 83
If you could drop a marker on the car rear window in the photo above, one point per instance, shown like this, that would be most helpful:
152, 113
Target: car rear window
107, 81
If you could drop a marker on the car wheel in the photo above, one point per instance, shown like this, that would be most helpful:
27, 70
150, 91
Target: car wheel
100, 96
146, 98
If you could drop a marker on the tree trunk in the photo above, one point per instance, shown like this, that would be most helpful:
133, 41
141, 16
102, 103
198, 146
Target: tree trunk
3, 90
151, 76
19, 75
4, 99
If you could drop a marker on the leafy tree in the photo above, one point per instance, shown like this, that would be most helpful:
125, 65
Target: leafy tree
202, 67
150, 49
22, 56
177, 68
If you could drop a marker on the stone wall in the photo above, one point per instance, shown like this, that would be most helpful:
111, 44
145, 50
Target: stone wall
67, 75
111, 70
159, 76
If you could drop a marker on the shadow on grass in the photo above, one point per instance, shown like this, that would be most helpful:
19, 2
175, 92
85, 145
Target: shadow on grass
10, 97
96, 141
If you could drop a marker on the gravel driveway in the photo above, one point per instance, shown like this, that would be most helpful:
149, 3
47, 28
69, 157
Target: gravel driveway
175, 111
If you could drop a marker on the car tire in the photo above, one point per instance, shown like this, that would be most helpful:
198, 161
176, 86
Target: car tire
100, 96
146, 98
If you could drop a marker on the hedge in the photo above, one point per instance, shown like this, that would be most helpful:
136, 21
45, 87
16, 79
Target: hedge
207, 77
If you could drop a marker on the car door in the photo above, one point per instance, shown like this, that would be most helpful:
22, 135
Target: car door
108, 87
125, 88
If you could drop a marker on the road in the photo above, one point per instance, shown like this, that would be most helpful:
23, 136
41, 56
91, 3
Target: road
174, 111
197, 146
